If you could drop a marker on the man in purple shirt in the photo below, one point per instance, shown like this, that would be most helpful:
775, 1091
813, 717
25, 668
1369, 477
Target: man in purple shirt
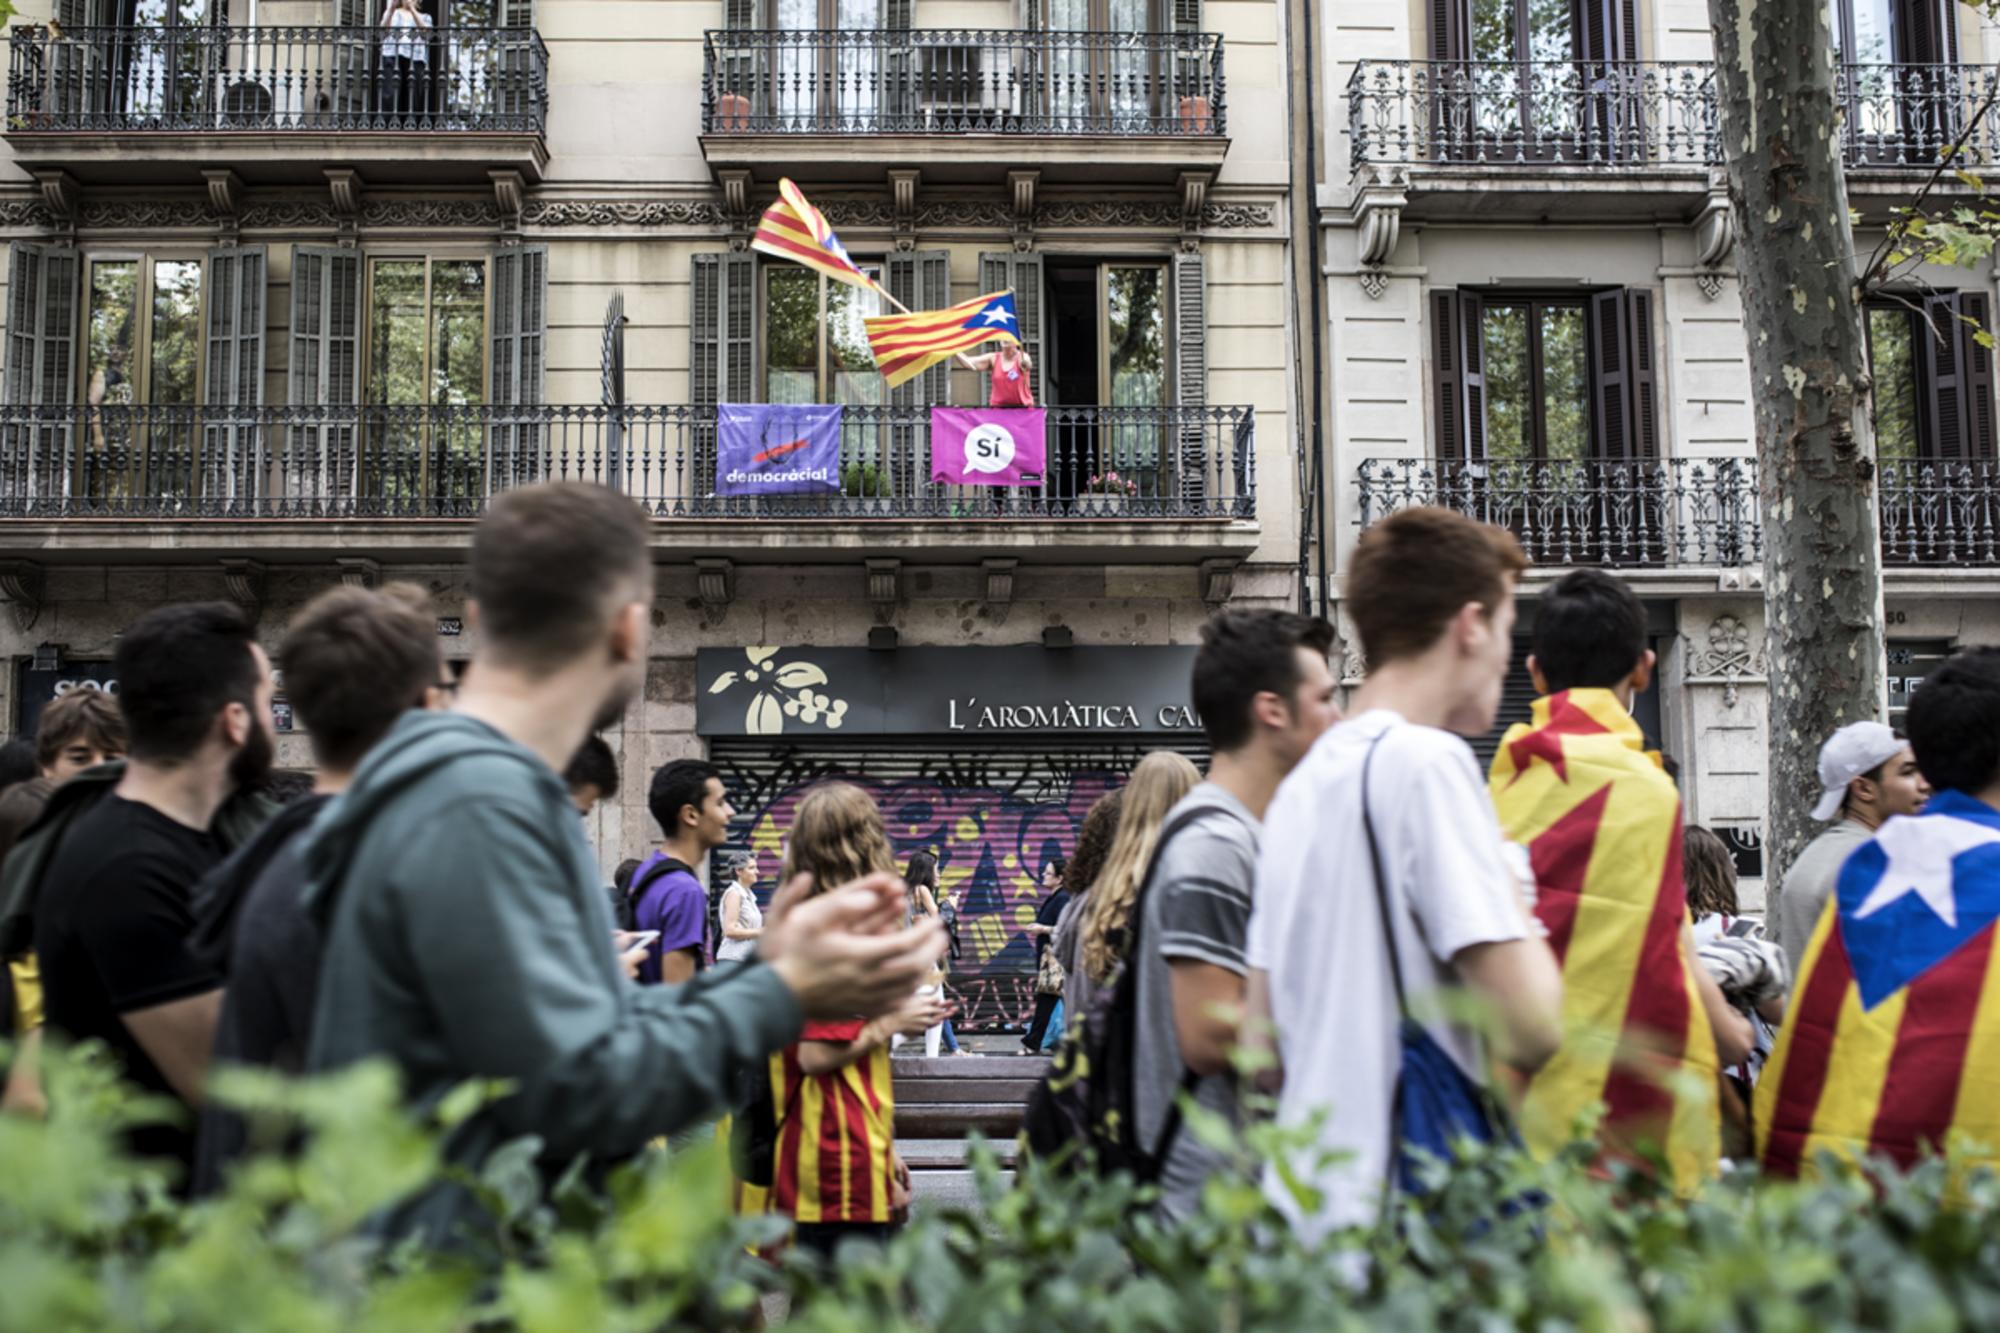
693, 814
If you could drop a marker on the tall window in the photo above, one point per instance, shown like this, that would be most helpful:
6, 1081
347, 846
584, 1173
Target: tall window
427, 332
144, 338
827, 82
815, 344
1537, 379
1933, 382
1892, 352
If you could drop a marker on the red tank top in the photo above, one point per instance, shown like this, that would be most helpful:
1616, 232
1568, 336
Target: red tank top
1010, 381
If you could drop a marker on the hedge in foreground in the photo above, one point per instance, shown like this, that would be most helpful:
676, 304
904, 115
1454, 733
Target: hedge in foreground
91, 1239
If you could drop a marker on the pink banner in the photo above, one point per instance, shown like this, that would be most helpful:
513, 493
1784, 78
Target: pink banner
989, 446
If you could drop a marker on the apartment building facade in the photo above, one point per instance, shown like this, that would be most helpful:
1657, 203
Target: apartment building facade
292, 293
1531, 315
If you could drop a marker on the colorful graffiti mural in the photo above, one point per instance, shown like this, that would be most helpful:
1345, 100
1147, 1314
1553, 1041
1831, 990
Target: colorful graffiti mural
995, 821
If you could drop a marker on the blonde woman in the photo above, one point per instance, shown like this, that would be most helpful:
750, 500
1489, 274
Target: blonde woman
834, 1082
1157, 785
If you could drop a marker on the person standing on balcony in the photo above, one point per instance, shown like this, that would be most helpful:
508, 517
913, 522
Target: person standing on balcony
406, 59
1010, 369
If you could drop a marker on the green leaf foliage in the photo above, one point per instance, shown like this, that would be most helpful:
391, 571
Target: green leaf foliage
90, 1238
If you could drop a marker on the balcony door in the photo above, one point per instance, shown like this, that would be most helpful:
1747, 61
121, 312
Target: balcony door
427, 378
1105, 63
827, 66
138, 63
1535, 80
1906, 97
816, 351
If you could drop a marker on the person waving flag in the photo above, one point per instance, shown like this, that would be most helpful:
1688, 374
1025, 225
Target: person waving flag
907, 345
1891, 1045
793, 229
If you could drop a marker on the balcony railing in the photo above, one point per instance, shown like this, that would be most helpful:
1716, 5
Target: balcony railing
1481, 113
1628, 114
963, 82
1686, 512
242, 78
189, 462
1683, 512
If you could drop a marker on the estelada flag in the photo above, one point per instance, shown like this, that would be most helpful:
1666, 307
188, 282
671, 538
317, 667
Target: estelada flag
907, 345
1602, 825
793, 229
1891, 1042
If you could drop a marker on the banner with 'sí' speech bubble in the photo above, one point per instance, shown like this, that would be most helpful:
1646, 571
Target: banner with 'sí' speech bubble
989, 446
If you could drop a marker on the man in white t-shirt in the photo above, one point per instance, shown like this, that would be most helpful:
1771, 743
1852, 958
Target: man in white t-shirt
1431, 594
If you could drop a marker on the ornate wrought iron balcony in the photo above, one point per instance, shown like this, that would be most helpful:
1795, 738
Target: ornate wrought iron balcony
1626, 114
1532, 113
958, 81
1685, 512
183, 80
195, 463
1680, 513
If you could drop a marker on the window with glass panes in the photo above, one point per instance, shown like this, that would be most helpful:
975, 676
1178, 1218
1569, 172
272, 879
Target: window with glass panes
1932, 378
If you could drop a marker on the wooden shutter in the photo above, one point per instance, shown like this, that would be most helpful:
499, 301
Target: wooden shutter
921, 280
1191, 373
325, 366
722, 355
1449, 23
43, 302
1610, 31
740, 15
1929, 31
1186, 15
1645, 434
1472, 372
1945, 410
1610, 378
520, 318
1447, 376
236, 326
1976, 369
1000, 269
896, 15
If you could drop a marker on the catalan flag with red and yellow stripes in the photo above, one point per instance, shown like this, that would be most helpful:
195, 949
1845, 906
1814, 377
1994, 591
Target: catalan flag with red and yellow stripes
793, 229
1891, 1040
836, 1145
1602, 825
907, 345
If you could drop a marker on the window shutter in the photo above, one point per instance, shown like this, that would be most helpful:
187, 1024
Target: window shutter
896, 15
520, 316
921, 280
1929, 31
325, 367
1472, 372
1448, 30
1610, 378
722, 354
1001, 269
236, 326
1976, 362
1645, 382
740, 15
43, 301
1449, 383
1187, 15
1191, 372
1946, 408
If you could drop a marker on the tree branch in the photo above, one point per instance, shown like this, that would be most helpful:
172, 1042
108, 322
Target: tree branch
1950, 158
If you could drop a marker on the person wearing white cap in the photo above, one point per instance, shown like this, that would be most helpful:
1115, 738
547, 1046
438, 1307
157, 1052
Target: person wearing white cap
1869, 773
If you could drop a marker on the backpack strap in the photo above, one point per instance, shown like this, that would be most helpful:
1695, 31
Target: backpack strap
658, 871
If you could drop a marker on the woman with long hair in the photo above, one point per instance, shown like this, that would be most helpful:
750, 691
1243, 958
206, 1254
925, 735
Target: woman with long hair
1093, 849
1710, 874
926, 900
834, 1082
1157, 786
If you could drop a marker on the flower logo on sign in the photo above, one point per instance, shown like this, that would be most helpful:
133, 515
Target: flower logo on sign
781, 690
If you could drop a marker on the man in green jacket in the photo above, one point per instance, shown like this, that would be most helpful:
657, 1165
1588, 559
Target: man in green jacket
467, 937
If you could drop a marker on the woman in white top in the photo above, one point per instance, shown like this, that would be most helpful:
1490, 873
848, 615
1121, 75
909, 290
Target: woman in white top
742, 920
406, 59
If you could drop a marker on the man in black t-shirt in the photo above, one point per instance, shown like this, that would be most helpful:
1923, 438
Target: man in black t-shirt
113, 911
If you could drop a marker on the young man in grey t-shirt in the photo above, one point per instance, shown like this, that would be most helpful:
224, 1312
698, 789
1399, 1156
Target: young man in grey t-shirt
1265, 693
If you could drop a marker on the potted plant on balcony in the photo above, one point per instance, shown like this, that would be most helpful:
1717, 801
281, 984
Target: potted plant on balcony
865, 489
1109, 494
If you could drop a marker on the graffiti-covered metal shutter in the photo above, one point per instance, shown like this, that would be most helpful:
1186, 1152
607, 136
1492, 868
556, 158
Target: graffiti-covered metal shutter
995, 811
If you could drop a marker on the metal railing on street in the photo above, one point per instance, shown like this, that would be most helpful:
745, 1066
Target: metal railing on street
198, 462
182, 79
963, 81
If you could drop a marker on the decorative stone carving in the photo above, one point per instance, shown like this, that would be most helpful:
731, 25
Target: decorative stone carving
22, 583
359, 571
1709, 284
715, 583
735, 198
424, 212
554, 213
999, 588
59, 193
885, 590
1021, 185
1353, 663
1194, 198
343, 185
508, 193
30, 213
225, 195
1374, 282
903, 195
246, 581
1715, 231
1218, 581
1728, 659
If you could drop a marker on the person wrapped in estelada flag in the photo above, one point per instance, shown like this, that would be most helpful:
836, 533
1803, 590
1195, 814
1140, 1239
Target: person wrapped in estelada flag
1891, 1045
1602, 825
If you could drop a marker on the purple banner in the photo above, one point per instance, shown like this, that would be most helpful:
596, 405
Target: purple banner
777, 449
989, 446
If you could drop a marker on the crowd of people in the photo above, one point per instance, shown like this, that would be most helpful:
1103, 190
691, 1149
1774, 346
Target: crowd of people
1316, 900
